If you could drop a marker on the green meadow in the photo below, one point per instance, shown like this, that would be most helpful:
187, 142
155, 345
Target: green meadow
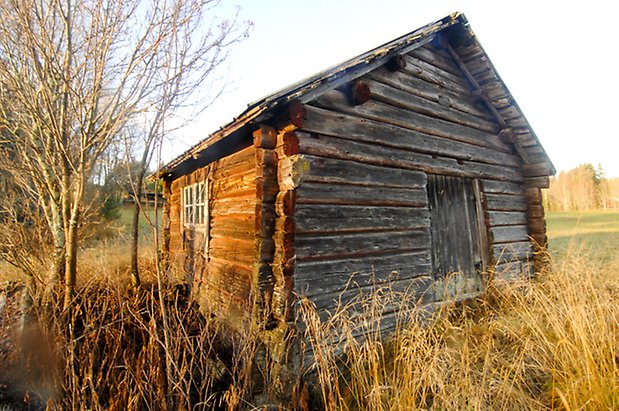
591, 233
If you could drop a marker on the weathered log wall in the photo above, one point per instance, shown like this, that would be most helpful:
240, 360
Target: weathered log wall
358, 172
222, 275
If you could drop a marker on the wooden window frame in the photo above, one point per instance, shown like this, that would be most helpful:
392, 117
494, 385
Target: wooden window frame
194, 212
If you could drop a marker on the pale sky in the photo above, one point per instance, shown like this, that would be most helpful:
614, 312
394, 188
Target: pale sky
559, 59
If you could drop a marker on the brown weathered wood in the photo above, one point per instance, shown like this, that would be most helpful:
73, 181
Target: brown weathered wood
345, 194
234, 205
297, 113
265, 137
285, 203
329, 218
320, 246
360, 93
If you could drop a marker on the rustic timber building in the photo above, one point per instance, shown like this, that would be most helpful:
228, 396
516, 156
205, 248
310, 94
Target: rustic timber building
401, 166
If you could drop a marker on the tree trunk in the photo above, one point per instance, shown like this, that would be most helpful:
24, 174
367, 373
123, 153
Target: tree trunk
71, 259
135, 222
135, 235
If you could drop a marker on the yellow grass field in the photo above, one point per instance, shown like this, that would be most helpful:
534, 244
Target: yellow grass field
550, 343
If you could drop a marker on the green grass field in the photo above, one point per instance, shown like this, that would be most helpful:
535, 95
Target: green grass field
593, 233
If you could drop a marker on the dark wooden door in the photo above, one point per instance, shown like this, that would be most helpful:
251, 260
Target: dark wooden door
455, 229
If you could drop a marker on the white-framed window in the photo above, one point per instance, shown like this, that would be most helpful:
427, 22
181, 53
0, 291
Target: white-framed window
194, 204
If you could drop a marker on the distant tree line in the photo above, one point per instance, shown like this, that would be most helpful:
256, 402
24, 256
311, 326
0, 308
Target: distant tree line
582, 188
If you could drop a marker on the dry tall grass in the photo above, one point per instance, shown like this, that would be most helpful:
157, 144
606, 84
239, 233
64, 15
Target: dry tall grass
552, 343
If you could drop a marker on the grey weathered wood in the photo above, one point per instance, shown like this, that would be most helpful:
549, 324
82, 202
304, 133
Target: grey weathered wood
433, 92
497, 218
504, 202
397, 98
434, 74
334, 147
320, 246
331, 218
373, 110
509, 234
308, 168
501, 187
316, 278
378, 265
432, 56
350, 127
418, 290
512, 252
321, 193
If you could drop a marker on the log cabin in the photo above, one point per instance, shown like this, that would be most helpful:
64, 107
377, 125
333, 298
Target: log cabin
402, 166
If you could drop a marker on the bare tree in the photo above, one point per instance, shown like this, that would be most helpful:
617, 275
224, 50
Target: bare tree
75, 72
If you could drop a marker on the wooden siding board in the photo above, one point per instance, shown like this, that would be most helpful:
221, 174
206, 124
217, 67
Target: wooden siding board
329, 218
321, 246
345, 194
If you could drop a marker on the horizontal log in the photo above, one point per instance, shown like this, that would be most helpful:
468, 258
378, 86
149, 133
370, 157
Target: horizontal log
513, 271
398, 98
234, 205
418, 290
235, 280
538, 170
330, 218
512, 252
501, 187
436, 75
498, 218
505, 202
537, 226
433, 92
509, 234
297, 169
321, 246
231, 186
240, 252
373, 110
328, 123
312, 277
432, 56
325, 146
265, 137
234, 232
344, 194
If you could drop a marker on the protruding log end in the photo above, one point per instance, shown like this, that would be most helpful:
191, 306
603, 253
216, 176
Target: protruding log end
297, 113
265, 137
506, 135
397, 63
360, 93
290, 144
